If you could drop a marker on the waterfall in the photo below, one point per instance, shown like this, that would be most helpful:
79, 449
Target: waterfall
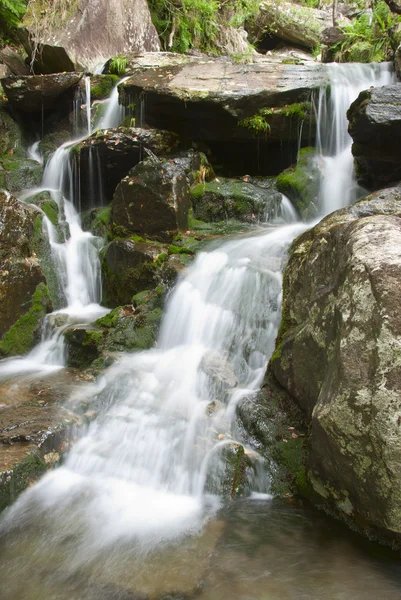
144, 472
34, 154
88, 103
339, 187
115, 112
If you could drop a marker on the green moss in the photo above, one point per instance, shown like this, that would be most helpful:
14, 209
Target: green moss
102, 86
23, 335
302, 485
109, 320
172, 249
14, 482
258, 124
50, 209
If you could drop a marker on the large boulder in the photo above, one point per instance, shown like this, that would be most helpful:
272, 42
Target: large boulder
98, 29
299, 25
13, 61
375, 126
153, 199
338, 355
245, 112
20, 271
113, 152
35, 93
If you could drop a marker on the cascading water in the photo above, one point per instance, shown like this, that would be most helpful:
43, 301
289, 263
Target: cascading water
114, 112
334, 144
144, 473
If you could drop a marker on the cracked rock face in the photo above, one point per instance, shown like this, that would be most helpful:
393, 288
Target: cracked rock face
338, 354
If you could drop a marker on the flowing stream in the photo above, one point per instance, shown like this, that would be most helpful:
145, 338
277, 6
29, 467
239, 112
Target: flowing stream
137, 510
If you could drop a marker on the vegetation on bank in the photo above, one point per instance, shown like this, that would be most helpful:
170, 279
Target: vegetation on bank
186, 24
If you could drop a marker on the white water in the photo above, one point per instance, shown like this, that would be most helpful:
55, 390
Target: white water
148, 469
114, 112
88, 103
34, 154
339, 187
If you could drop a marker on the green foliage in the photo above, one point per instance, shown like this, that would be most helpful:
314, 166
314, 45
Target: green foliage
118, 65
256, 123
11, 12
186, 24
368, 38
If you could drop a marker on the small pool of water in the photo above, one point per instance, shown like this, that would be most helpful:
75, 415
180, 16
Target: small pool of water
254, 550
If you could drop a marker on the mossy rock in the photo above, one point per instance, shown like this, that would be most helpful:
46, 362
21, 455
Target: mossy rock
125, 329
224, 199
25, 333
277, 429
102, 85
12, 483
98, 222
301, 183
18, 173
10, 135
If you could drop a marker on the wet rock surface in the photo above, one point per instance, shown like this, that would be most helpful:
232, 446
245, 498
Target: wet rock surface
301, 183
376, 115
113, 152
20, 269
240, 199
153, 199
35, 430
34, 93
337, 355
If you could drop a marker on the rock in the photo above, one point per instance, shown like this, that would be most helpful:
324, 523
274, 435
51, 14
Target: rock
209, 99
299, 25
34, 93
153, 199
397, 62
223, 198
376, 115
128, 268
227, 473
232, 41
98, 29
102, 86
10, 135
35, 430
13, 61
337, 354
113, 152
125, 329
51, 59
18, 172
20, 270
275, 426
301, 183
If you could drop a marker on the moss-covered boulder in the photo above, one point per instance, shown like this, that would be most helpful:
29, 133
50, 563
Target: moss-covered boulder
20, 270
17, 172
101, 86
338, 355
223, 199
153, 199
53, 140
301, 183
125, 329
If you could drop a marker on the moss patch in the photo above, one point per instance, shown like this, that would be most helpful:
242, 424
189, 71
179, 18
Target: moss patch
12, 483
23, 335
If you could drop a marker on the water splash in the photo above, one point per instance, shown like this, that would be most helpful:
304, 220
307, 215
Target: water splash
34, 154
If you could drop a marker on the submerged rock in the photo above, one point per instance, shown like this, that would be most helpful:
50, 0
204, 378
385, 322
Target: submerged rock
337, 355
376, 115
